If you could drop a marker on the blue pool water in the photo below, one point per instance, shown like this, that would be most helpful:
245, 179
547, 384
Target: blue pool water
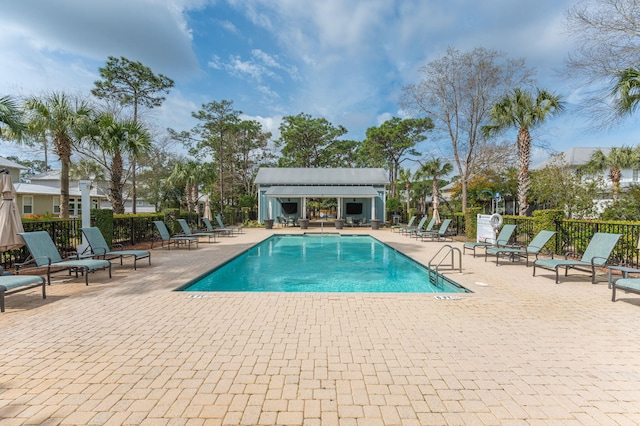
322, 263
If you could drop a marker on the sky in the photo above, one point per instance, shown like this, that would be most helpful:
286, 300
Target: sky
344, 60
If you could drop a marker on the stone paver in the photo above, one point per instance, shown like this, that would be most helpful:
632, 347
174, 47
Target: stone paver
130, 350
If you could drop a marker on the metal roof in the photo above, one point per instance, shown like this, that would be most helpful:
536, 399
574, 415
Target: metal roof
322, 191
321, 176
574, 157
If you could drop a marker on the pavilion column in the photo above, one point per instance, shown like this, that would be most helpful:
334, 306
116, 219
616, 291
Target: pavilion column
270, 209
304, 207
339, 212
373, 208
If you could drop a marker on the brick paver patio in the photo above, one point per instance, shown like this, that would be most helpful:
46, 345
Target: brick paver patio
519, 350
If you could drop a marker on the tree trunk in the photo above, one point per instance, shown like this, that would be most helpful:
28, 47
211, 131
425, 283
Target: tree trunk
63, 148
524, 158
115, 187
408, 186
435, 201
615, 175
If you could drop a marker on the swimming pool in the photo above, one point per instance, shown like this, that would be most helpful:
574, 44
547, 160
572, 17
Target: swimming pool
323, 263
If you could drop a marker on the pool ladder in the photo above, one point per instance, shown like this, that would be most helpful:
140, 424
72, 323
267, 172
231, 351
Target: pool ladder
450, 250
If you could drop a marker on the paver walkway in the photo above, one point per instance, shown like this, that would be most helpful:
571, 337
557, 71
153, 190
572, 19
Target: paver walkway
519, 350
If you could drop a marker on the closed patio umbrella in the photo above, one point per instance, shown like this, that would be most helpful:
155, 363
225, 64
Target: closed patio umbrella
436, 214
207, 209
10, 223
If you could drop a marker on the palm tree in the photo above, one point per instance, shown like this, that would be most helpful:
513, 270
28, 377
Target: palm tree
626, 92
60, 117
615, 161
520, 109
11, 116
434, 170
405, 176
188, 174
117, 138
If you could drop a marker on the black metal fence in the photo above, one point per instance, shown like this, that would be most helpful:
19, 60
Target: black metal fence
572, 235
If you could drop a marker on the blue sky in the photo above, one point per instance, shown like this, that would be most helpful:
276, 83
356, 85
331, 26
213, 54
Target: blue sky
345, 60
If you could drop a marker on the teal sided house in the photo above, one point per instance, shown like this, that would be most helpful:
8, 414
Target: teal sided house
284, 192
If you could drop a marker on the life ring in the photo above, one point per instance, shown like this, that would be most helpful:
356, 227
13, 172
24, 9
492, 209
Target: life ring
495, 220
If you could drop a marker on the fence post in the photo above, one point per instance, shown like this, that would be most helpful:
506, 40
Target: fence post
132, 230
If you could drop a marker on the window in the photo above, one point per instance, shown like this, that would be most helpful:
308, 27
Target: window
56, 205
75, 206
27, 204
635, 175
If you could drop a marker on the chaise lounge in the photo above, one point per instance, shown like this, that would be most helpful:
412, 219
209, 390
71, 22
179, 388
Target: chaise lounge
45, 254
187, 232
534, 248
10, 284
99, 247
501, 241
166, 237
596, 255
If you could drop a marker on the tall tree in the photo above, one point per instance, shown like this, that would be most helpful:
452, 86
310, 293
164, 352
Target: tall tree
61, 117
557, 186
131, 84
190, 174
394, 141
626, 91
11, 116
606, 34
218, 121
457, 91
522, 110
405, 176
108, 141
434, 170
308, 141
616, 160
250, 149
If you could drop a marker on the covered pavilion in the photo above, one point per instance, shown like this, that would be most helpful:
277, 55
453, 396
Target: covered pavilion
283, 192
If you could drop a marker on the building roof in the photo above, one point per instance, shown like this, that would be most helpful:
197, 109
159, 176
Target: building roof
574, 157
321, 176
33, 189
8, 163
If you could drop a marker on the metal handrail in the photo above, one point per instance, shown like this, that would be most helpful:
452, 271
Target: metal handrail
451, 250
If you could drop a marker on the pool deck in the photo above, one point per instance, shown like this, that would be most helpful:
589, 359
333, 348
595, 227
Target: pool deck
128, 350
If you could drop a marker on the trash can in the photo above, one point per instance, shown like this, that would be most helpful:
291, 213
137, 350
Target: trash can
375, 223
339, 223
268, 224
304, 223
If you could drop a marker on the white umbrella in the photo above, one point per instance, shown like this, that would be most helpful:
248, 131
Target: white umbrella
10, 223
436, 214
207, 209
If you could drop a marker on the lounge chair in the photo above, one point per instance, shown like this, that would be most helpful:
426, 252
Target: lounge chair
187, 232
596, 255
400, 227
166, 237
45, 254
236, 228
210, 228
410, 229
439, 234
502, 241
10, 284
350, 221
629, 285
427, 229
534, 248
99, 247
